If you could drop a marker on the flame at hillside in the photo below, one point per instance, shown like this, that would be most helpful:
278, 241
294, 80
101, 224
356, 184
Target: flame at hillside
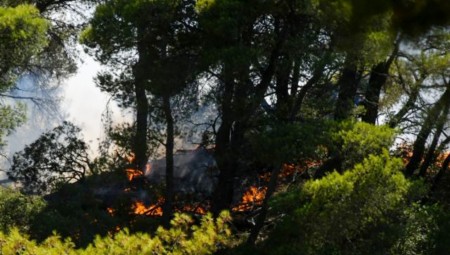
189, 164
194, 209
140, 208
130, 158
441, 158
111, 211
133, 174
253, 197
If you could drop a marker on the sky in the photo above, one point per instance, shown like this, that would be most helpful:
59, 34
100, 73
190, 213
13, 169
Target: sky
82, 103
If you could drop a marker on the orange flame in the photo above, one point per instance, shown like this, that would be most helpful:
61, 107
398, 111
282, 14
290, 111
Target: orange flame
254, 196
133, 173
441, 158
110, 211
194, 209
115, 230
152, 210
130, 158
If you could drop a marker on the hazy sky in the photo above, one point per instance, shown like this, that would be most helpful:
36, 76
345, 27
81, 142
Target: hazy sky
82, 103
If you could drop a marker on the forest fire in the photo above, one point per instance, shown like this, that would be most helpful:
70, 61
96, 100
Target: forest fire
133, 173
291, 170
441, 158
250, 200
194, 209
110, 210
254, 196
140, 208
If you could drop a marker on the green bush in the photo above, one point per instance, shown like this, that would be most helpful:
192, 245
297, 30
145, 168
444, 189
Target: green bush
182, 238
18, 210
360, 139
366, 210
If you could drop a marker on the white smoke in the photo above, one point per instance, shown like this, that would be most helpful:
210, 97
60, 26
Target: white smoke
76, 99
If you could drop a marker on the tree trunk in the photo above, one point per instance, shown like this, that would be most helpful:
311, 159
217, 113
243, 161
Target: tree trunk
265, 206
169, 196
441, 172
348, 84
282, 87
142, 110
432, 149
428, 124
378, 78
237, 109
140, 73
221, 199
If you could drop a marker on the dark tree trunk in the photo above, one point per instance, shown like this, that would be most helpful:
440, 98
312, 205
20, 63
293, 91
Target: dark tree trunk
140, 73
228, 165
428, 124
265, 206
221, 199
169, 196
239, 102
142, 111
378, 78
432, 149
348, 84
282, 87
441, 173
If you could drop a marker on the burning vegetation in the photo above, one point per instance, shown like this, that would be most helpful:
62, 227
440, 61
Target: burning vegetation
145, 201
140, 208
251, 199
133, 174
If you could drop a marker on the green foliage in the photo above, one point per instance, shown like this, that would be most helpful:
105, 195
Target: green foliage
10, 118
57, 156
18, 210
108, 17
225, 22
23, 37
418, 231
366, 210
412, 17
284, 142
360, 139
75, 212
362, 27
182, 238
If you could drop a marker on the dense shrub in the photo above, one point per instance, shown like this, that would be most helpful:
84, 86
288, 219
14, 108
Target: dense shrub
366, 210
18, 210
359, 140
182, 238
